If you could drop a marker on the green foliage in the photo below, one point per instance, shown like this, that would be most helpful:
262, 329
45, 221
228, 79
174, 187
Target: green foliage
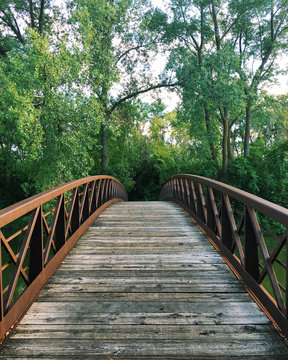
243, 175
58, 95
46, 126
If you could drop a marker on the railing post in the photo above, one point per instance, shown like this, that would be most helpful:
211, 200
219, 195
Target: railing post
97, 200
36, 249
200, 203
102, 192
182, 191
227, 234
60, 225
193, 204
106, 190
176, 189
85, 204
251, 248
185, 195
173, 184
92, 204
113, 190
116, 190
110, 190
75, 218
212, 213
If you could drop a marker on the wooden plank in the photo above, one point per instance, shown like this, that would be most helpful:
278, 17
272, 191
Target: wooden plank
163, 332
144, 283
141, 297
148, 274
204, 348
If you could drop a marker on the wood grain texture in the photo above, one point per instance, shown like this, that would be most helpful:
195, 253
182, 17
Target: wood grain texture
144, 283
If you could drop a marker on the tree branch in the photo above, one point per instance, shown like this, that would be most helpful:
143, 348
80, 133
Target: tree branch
132, 49
192, 37
138, 92
8, 21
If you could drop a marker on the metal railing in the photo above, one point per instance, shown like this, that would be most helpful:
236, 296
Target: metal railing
250, 232
36, 234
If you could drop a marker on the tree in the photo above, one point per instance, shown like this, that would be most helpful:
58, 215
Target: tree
45, 122
216, 42
119, 44
261, 36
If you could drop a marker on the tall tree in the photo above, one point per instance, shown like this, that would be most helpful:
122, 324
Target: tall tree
261, 36
216, 43
118, 43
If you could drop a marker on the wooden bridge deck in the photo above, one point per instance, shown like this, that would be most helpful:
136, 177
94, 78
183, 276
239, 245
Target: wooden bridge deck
144, 283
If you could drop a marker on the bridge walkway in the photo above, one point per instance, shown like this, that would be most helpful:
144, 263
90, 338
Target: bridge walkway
144, 283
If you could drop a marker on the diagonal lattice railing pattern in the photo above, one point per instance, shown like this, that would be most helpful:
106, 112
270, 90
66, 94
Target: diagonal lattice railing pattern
37, 233
251, 233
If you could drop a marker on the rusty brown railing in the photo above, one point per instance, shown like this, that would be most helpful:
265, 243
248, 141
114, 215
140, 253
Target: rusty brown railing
250, 232
37, 233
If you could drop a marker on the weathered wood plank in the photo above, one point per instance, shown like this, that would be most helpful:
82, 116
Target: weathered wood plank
198, 348
148, 274
156, 297
144, 283
163, 332
138, 287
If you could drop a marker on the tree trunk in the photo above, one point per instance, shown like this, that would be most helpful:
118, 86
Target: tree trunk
247, 128
211, 144
225, 144
229, 145
104, 143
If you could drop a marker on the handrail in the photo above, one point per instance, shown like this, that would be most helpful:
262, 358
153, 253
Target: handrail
37, 233
234, 221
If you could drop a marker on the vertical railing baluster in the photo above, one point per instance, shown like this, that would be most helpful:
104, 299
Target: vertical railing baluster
98, 195
185, 194
106, 190
116, 190
110, 190
251, 248
178, 189
103, 184
211, 221
92, 206
181, 190
227, 235
75, 218
113, 189
36, 261
201, 210
173, 188
60, 225
85, 204
193, 203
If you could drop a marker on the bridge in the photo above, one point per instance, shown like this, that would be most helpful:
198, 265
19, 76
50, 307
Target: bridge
200, 274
